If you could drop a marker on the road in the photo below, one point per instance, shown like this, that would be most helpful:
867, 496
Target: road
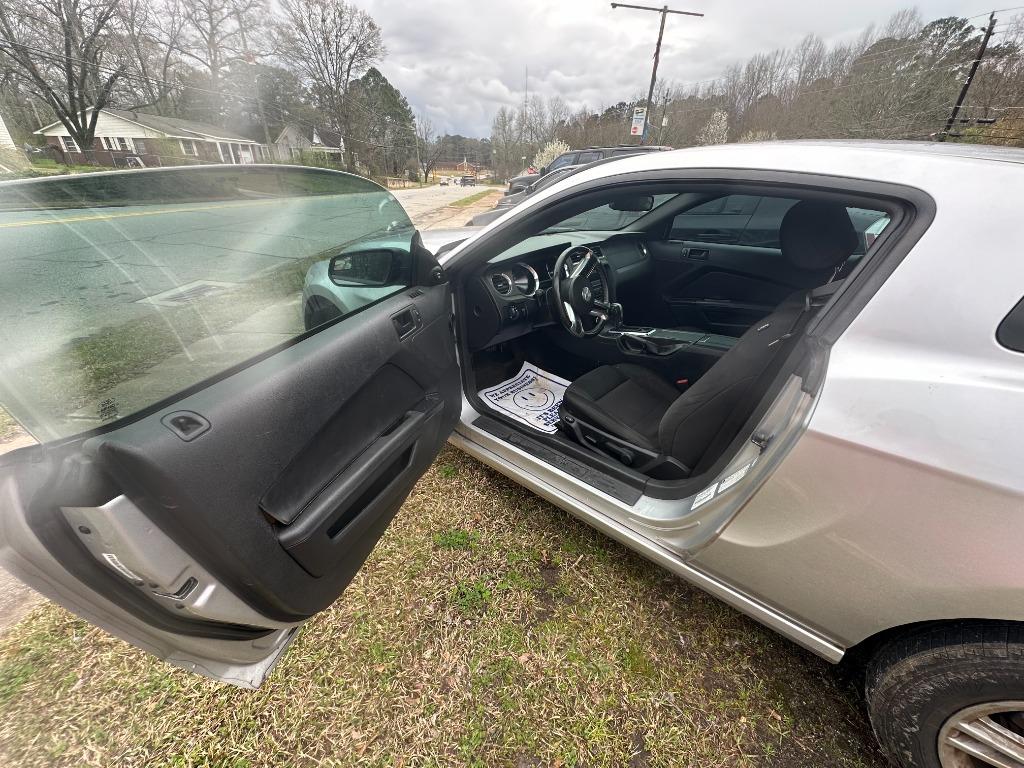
419, 203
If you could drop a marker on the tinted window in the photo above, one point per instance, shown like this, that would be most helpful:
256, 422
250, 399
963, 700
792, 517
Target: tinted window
755, 221
562, 160
722, 220
587, 157
119, 290
604, 218
1011, 331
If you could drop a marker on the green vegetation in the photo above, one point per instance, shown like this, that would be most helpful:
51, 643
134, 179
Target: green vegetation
468, 201
456, 538
544, 644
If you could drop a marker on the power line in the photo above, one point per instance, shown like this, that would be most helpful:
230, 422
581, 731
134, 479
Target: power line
664, 11
970, 77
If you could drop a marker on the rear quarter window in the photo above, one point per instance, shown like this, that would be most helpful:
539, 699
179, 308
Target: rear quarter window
1011, 331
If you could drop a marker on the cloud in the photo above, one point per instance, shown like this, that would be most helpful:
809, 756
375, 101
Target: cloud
458, 61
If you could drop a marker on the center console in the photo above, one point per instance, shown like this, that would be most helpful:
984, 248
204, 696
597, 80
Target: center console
667, 341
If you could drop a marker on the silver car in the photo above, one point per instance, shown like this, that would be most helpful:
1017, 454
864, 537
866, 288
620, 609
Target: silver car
786, 372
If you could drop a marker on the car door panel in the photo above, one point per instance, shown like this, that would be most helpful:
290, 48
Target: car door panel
272, 419
206, 526
720, 288
267, 423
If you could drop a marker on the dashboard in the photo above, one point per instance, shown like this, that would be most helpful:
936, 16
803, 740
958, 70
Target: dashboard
511, 295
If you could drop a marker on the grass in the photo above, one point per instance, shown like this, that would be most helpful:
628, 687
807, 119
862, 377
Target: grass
50, 164
8, 426
86, 367
465, 202
487, 629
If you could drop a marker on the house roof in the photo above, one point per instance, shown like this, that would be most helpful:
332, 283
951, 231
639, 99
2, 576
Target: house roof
172, 126
327, 137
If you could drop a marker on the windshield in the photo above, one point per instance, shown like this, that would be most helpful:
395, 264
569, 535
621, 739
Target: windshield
604, 218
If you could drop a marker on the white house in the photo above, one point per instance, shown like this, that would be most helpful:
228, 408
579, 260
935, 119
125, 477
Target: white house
5, 135
297, 139
124, 138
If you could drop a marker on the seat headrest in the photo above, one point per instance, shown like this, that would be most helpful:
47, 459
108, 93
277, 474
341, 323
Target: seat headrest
816, 235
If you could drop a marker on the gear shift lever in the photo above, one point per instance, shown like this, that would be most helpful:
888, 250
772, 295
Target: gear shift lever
614, 315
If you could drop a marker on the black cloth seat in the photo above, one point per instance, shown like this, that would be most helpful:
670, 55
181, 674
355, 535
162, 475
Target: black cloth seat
638, 407
626, 400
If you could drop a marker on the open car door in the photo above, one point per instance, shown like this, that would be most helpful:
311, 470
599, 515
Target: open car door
235, 376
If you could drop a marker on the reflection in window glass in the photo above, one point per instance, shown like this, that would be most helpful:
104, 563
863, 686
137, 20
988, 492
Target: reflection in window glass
604, 218
119, 290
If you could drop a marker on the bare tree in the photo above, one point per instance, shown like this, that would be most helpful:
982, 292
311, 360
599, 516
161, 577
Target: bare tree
71, 55
330, 43
429, 147
153, 34
215, 35
506, 140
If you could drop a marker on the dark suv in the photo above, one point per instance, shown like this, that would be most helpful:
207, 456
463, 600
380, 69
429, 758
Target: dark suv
579, 157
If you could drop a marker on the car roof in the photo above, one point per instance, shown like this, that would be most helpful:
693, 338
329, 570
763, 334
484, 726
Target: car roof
923, 164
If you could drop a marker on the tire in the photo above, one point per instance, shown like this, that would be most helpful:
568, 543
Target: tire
919, 680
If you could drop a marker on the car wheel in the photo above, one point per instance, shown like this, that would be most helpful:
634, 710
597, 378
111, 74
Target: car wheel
950, 696
317, 312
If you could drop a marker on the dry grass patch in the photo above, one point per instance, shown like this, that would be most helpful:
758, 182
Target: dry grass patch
488, 629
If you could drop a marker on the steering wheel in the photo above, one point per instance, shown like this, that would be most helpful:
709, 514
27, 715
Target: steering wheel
581, 312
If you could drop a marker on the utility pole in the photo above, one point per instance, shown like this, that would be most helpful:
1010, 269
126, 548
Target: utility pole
664, 11
970, 76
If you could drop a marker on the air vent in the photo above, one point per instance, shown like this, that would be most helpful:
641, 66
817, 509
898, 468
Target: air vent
501, 284
596, 287
596, 250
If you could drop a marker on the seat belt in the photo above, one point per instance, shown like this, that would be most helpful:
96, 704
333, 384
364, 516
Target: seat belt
815, 297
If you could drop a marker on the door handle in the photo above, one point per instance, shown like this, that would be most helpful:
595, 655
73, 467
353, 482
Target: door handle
697, 254
407, 321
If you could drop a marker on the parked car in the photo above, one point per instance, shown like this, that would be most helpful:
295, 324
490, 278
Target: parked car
580, 157
444, 182
468, 181
507, 202
821, 432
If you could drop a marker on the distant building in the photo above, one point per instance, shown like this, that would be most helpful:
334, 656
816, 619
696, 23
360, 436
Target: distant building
296, 140
463, 168
124, 138
5, 135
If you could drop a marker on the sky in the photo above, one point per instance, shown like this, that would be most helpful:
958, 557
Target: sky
458, 61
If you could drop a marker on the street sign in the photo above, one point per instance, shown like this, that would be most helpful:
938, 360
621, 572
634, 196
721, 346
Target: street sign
636, 128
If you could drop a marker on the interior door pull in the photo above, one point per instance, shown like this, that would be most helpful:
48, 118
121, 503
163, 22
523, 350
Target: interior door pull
698, 254
187, 425
407, 321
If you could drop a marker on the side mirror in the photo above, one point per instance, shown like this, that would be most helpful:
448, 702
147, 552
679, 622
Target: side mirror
373, 267
633, 204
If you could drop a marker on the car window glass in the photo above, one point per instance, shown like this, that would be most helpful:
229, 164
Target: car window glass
604, 218
755, 221
562, 160
118, 290
721, 220
587, 157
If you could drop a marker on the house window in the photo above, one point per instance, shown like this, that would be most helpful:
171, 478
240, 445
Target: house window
69, 144
188, 147
118, 144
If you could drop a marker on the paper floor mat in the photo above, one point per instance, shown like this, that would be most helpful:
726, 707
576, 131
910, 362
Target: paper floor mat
530, 397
